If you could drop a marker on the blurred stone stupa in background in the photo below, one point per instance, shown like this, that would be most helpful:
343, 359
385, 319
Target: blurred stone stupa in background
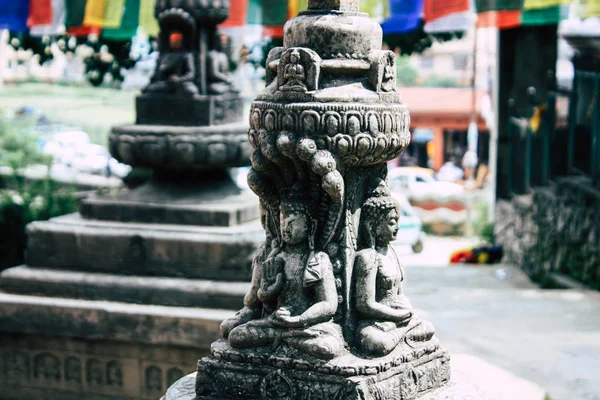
121, 299
326, 317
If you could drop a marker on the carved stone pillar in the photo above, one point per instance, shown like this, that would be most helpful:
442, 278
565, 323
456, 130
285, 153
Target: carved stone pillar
326, 316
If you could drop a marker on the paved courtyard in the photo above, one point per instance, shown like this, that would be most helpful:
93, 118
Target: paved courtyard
494, 314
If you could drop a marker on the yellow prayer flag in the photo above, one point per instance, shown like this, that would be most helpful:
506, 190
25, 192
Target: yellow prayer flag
113, 14
94, 13
590, 8
147, 20
535, 4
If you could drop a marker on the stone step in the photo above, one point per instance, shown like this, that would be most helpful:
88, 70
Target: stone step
125, 248
128, 289
103, 320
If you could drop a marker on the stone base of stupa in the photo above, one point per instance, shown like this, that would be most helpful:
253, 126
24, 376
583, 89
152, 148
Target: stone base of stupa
407, 373
455, 389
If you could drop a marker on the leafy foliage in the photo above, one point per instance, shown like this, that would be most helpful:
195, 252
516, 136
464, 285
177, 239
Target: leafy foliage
23, 201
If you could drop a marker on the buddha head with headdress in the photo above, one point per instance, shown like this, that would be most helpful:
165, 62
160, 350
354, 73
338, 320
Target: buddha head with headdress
295, 221
379, 218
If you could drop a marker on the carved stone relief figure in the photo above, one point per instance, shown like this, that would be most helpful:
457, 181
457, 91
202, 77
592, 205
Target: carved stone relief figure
385, 314
153, 379
46, 367
73, 370
388, 82
114, 374
94, 372
16, 366
219, 79
299, 70
175, 71
298, 292
294, 75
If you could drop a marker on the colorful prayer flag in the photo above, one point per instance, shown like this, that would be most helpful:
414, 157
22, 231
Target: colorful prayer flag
590, 8
538, 4
75, 12
405, 16
13, 15
498, 5
58, 20
113, 13
435, 9
40, 12
237, 14
94, 13
544, 16
499, 19
147, 20
130, 21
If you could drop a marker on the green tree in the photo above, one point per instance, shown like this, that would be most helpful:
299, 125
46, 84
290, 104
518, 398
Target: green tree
406, 74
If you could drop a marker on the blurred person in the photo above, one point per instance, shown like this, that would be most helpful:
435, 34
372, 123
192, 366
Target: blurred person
449, 172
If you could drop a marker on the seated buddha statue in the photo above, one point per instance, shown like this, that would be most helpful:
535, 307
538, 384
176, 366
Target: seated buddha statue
294, 75
385, 315
298, 294
218, 77
175, 71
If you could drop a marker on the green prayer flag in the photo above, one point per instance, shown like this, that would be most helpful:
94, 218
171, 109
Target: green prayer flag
544, 16
274, 12
129, 23
75, 12
113, 13
498, 5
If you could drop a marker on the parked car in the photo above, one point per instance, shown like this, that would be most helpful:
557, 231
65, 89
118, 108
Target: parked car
409, 225
420, 182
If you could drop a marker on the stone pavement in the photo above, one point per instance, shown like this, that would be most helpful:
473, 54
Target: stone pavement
496, 318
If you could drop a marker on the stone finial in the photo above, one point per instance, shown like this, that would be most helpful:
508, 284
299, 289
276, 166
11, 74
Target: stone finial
333, 5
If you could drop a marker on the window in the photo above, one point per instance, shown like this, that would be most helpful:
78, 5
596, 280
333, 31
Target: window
460, 62
426, 62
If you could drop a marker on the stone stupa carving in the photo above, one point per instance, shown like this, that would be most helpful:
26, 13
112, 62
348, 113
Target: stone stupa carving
326, 316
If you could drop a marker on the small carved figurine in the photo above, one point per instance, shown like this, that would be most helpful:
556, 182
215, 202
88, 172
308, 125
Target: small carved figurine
294, 75
175, 70
388, 83
219, 80
300, 284
385, 313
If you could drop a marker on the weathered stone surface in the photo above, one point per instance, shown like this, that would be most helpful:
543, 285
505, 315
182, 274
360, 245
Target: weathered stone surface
215, 202
186, 111
101, 320
454, 390
181, 148
127, 289
57, 368
73, 243
554, 230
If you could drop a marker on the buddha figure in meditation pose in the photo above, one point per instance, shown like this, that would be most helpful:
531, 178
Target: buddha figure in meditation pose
294, 75
293, 293
175, 71
219, 79
385, 314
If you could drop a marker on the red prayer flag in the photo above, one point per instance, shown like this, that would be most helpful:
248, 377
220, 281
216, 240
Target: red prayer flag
499, 19
40, 13
275, 31
84, 30
237, 14
435, 9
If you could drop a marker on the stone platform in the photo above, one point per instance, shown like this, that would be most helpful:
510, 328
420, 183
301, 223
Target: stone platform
454, 390
74, 243
188, 110
408, 372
